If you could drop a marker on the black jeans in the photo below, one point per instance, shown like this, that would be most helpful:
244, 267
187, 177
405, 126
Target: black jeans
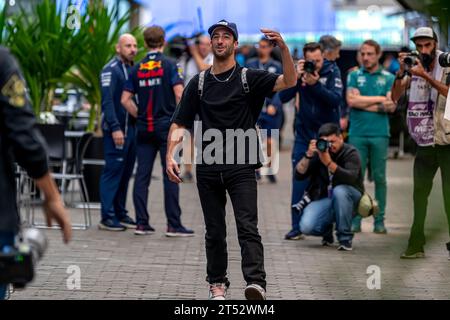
240, 183
426, 164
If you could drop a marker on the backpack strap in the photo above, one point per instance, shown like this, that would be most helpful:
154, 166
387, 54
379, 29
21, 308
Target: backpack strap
244, 80
201, 82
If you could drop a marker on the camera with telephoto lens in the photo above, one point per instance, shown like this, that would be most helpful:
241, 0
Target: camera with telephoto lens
323, 145
411, 59
444, 60
17, 262
309, 66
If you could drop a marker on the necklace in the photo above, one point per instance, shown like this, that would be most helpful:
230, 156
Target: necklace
229, 77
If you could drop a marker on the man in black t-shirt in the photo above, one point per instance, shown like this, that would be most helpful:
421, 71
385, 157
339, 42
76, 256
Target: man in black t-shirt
228, 100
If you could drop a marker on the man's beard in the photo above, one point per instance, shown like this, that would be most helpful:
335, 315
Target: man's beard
225, 55
128, 59
427, 59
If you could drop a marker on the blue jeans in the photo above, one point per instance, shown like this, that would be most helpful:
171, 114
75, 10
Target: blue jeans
319, 215
119, 165
298, 186
6, 239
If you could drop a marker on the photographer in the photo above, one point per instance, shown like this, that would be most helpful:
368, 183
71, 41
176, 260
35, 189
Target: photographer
334, 169
201, 57
428, 85
320, 87
19, 142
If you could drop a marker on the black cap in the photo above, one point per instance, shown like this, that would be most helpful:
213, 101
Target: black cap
225, 24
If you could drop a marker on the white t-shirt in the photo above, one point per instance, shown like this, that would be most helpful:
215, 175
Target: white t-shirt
192, 70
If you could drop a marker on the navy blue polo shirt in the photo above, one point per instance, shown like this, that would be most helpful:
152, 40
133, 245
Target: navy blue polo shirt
152, 81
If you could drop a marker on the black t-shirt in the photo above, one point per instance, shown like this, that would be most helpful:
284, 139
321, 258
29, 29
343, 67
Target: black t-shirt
225, 105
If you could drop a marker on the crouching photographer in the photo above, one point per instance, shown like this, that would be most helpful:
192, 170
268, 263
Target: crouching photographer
19, 142
336, 187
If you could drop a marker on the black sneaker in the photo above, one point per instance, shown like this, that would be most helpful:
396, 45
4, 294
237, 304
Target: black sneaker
142, 230
294, 235
111, 225
179, 232
345, 246
255, 292
328, 239
128, 223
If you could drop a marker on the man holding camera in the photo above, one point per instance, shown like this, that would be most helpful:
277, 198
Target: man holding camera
428, 84
201, 57
320, 87
369, 97
336, 186
20, 142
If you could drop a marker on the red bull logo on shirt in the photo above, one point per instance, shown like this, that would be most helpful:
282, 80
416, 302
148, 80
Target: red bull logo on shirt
150, 69
150, 65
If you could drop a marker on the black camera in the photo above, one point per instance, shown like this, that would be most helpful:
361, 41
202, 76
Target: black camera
179, 45
411, 59
302, 203
444, 60
17, 262
309, 66
323, 145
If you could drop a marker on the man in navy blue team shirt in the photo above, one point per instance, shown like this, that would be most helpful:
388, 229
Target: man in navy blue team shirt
271, 115
158, 85
118, 139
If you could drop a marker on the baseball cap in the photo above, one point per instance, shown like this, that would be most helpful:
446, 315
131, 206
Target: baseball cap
424, 32
223, 23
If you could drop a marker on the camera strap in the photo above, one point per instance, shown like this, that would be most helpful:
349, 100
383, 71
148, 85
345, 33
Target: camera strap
330, 184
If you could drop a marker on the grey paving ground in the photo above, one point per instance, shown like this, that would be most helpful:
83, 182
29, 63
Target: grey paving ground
125, 266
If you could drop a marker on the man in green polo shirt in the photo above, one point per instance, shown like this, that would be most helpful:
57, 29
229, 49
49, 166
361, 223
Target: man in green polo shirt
369, 97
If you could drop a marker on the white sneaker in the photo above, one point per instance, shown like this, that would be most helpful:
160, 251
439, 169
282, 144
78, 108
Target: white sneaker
217, 291
255, 292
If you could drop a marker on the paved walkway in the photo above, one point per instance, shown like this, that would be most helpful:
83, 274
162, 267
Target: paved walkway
125, 266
